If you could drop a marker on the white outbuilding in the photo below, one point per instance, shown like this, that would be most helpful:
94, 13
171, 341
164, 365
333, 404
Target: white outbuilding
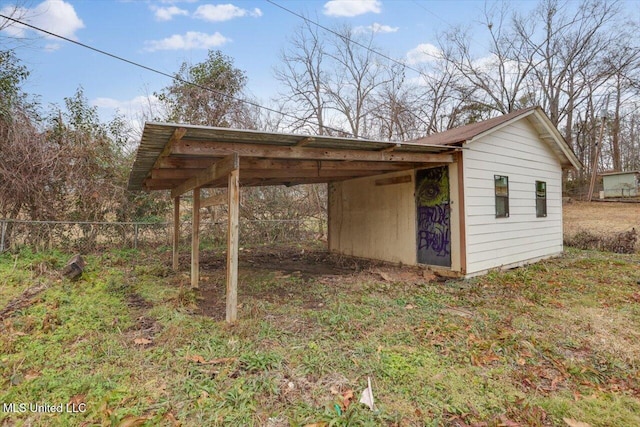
620, 184
497, 205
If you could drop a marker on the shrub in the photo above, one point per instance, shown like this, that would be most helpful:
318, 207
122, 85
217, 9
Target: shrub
622, 243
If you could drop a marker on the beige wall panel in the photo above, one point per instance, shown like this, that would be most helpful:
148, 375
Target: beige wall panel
374, 221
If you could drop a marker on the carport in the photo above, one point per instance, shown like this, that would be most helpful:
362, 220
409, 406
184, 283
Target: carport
184, 158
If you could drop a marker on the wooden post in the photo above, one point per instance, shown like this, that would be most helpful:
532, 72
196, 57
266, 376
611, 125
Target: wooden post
176, 231
596, 156
195, 239
232, 246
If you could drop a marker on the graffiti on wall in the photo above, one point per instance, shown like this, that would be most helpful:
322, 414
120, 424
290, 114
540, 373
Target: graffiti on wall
433, 229
434, 216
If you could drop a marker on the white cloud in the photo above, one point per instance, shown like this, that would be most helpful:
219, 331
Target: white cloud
50, 47
11, 29
376, 28
134, 111
351, 7
138, 103
224, 12
422, 53
190, 40
56, 16
167, 13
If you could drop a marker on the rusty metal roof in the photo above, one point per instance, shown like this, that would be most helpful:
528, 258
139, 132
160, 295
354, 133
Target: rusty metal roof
170, 153
545, 128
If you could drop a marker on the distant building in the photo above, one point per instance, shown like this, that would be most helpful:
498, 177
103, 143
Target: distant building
620, 184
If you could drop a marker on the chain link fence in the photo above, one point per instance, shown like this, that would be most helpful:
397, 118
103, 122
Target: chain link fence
85, 236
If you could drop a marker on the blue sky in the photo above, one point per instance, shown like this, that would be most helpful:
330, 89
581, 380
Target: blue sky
162, 34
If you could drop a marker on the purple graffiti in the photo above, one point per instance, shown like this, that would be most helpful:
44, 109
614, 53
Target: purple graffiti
433, 229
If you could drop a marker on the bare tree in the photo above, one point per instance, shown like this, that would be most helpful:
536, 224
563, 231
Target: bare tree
304, 79
332, 79
496, 78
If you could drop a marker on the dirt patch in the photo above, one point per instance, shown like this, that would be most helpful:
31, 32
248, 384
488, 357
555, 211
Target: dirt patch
136, 301
143, 332
292, 272
307, 263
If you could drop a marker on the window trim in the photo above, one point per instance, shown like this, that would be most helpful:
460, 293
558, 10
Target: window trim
541, 200
506, 198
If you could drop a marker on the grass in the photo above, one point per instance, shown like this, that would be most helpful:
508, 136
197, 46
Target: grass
558, 339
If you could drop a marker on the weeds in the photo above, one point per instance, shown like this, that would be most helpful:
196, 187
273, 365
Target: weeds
622, 243
529, 346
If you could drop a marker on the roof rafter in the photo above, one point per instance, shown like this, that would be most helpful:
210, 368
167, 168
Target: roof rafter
217, 171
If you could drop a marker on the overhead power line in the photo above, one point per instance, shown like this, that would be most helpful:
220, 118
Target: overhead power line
171, 76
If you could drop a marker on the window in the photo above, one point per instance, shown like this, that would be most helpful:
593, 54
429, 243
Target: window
541, 199
502, 196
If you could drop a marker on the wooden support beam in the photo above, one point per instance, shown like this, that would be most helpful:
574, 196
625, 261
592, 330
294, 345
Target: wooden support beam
165, 184
176, 232
217, 149
305, 141
461, 213
232, 246
185, 162
292, 182
181, 175
177, 135
195, 240
247, 163
395, 180
214, 200
216, 171
390, 148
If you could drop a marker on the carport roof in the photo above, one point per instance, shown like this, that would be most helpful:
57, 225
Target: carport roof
170, 154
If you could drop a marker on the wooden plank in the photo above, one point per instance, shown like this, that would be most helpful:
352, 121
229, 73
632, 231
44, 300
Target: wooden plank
253, 163
395, 180
216, 149
390, 148
218, 170
152, 185
462, 214
292, 182
181, 174
232, 246
195, 240
176, 232
214, 200
305, 141
178, 175
185, 162
177, 135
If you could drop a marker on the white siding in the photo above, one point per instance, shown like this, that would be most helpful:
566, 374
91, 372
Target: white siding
515, 151
620, 185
